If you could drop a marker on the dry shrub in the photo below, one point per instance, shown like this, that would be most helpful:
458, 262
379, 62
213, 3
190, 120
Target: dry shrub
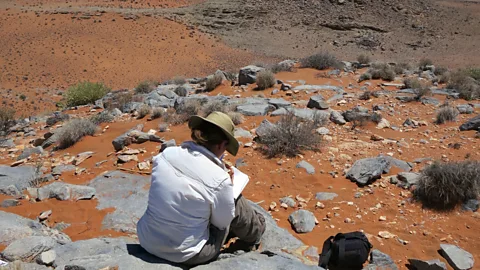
181, 91
75, 130
320, 61
382, 71
213, 81
6, 118
265, 79
119, 100
442, 186
363, 59
445, 77
183, 113
473, 73
85, 93
401, 67
143, 111
467, 86
157, 113
179, 80
103, 117
365, 95
281, 67
412, 83
290, 136
439, 71
237, 118
215, 106
419, 89
424, 62
145, 87
446, 114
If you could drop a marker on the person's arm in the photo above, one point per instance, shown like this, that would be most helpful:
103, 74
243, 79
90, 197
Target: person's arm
223, 207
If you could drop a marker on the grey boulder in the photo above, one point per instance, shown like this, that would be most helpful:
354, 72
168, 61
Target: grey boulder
27, 249
337, 118
255, 109
13, 180
265, 128
248, 74
242, 133
472, 124
465, 109
7, 143
307, 166
458, 258
408, 179
317, 102
30, 151
382, 260
62, 191
365, 171
435, 264
302, 221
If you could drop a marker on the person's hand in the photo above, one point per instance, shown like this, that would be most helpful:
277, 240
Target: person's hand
230, 170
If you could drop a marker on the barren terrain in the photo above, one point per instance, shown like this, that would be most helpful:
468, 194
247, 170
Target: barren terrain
48, 45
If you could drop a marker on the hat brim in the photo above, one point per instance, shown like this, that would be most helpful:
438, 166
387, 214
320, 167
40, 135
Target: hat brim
232, 147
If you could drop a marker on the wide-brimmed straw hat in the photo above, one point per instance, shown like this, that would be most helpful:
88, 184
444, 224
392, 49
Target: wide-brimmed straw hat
223, 122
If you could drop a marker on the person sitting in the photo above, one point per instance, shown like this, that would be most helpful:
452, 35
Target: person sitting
191, 206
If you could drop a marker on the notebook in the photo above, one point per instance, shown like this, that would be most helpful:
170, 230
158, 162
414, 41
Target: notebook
240, 181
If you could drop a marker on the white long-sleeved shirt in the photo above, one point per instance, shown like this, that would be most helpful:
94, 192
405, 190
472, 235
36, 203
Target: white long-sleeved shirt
190, 189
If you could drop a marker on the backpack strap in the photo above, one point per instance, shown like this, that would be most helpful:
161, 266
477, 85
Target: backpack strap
326, 252
341, 249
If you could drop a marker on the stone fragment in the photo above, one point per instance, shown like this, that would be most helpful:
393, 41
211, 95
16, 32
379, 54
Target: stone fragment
325, 196
248, 74
458, 258
47, 258
382, 260
302, 221
307, 166
63, 191
337, 118
317, 102
27, 249
288, 201
435, 264
471, 205
472, 124
82, 157
58, 170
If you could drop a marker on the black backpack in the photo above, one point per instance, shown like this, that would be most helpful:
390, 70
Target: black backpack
345, 251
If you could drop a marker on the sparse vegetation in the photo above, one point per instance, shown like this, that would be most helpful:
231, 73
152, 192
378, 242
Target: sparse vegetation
183, 112
179, 80
231, 76
119, 100
237, 118
143, 111
181, 91
75, 130
365, 77
6, 118
290, 136
320, 61
281, 67
215, 106
412, 83
446, 114
365, 95
382, 71
213, 81
145, 87
265, 79
473, 73
23, 97
467, 86
439, 71
424, 62
85, 93
419, 89
443, 186
362, 119
103, 117
363, 59
401, 67
157, 113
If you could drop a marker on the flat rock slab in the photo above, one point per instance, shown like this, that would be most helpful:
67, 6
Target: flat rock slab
309, 114
127, 193
58, 170
27, 249
365, 171
408, 179
14, 227
325, 196
307, 166
458, 258
435, 264
255, 109
13, 180
316, 88
63, 192
382, 260
279, 102
302, 221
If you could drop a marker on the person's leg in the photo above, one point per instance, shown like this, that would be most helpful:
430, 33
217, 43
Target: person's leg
248, 225
211, 250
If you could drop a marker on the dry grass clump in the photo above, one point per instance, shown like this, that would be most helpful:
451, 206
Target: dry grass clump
75, 130
424, 62
119, 100
442, 186
473, 72
439, 71
365, 77
183, 112
365, 95
145, 87
446, 114
412, 83
215, 106
320, 61
265, 79
468, 87
213, 82
363, 59
290, 136
143, 111
181, 91
281, 67
103, 117
237, 118
6, 118
401, 67
420, 89
157, 113
382, 71
85, 93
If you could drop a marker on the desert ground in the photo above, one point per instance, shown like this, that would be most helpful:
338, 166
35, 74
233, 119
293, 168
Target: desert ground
48, 45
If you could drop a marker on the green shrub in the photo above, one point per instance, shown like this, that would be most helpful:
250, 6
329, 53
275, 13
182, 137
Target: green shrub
320, 61
7, 118
363, 59
183, 112
442, 186
265, 79
446, 114
290, 136
75, 130
85, 93
412, 83
213, 81
145, 87
365, 77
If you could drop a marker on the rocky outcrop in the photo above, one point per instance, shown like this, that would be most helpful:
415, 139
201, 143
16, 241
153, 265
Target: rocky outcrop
62, 191
365, 171
13, 180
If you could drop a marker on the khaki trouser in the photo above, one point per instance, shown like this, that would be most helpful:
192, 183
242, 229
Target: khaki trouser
248, 225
